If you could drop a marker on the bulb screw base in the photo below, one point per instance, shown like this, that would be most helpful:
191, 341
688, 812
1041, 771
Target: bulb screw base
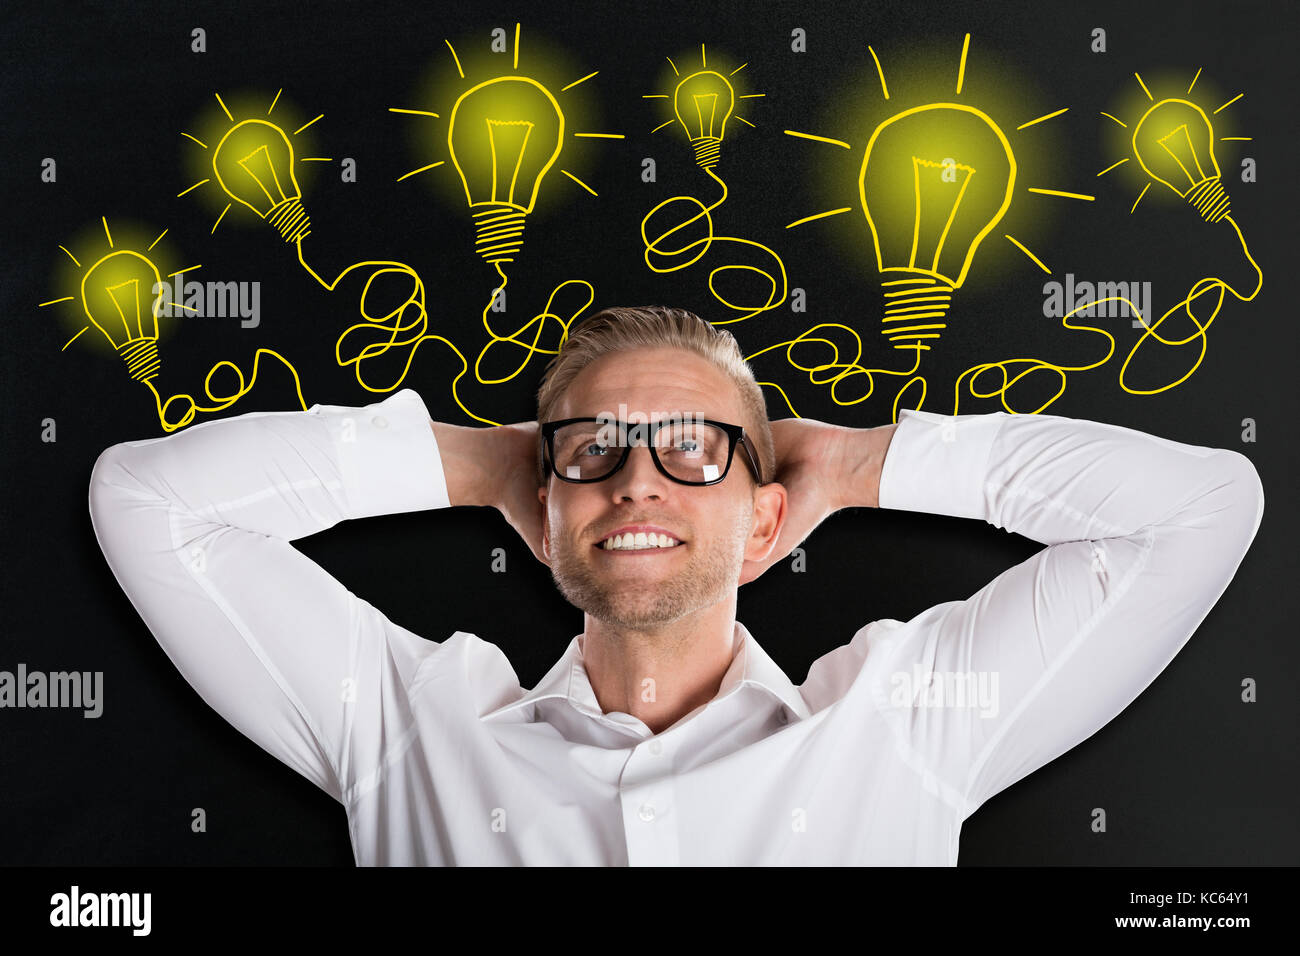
914, 309
290, 219
498, 231
708, 150
141, 357
1210, 199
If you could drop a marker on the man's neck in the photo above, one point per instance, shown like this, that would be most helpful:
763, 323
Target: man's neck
660, 677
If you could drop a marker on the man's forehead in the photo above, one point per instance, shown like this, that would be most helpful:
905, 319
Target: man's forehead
671, 384
649, 407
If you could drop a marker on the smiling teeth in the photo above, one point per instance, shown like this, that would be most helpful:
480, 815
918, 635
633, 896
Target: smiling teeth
638, 541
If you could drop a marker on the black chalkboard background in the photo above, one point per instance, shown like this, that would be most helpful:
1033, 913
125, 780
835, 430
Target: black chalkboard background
1188, 774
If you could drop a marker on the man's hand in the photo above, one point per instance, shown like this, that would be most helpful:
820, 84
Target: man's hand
516, 495
824, 468
495, 467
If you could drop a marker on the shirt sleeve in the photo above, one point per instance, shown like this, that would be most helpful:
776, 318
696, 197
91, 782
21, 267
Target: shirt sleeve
1143, 536
196, 528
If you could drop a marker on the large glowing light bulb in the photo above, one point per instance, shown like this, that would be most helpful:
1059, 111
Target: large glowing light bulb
935, 180
703, 103
503, 135
1174, 144
253, 163
117, 293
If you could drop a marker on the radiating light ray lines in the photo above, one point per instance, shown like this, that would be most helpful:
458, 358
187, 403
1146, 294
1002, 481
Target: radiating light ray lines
264, 159
502, 179
122, 294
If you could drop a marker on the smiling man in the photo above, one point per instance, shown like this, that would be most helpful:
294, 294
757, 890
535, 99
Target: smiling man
653, 486
659, 614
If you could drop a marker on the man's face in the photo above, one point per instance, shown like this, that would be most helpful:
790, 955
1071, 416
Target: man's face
643, 589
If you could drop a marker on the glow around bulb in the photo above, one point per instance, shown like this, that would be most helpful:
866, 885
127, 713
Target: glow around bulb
703, 102
117, 293
1174, 144
253, 163
935, 180
503, 136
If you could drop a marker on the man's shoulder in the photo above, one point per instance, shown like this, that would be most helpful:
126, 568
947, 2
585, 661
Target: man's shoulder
463, 658
831, 676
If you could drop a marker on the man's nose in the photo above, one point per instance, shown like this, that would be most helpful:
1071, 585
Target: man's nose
638, 477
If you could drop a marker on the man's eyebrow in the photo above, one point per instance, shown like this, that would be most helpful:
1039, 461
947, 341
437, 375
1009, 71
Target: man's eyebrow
662, 416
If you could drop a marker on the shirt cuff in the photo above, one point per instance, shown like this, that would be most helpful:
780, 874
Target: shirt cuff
388, 456
939, 463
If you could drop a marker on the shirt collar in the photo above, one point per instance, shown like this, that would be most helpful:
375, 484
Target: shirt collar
750, 666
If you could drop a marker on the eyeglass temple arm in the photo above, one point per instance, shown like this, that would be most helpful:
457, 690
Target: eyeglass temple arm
758, 471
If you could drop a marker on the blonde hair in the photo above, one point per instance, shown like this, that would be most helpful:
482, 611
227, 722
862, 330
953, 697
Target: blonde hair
622, 329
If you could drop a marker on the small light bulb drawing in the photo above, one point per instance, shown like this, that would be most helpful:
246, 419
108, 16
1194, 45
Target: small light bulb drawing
934, 182
703, 102
1174, 144
503, 135
117, 294
253, 163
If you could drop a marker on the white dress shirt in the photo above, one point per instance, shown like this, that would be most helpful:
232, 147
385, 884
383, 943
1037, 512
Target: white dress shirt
439, 756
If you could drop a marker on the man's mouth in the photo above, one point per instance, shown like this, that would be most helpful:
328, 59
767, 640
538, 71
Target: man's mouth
638, 541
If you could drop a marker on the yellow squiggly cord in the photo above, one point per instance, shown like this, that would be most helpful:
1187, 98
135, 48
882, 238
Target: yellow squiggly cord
391, 330
540, 319
1201, 287
845, 369
662, 260
1005, 366
223, 402
654, 250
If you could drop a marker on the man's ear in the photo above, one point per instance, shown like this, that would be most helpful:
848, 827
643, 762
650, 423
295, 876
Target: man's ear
770, 512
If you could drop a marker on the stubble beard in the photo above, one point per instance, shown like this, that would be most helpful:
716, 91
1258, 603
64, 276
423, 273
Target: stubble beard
710, 574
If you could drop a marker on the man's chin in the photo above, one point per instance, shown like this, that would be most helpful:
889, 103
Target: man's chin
619, 595
623, 621
632, 606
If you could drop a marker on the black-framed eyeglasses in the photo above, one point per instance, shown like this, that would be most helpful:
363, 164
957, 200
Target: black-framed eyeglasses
691, 451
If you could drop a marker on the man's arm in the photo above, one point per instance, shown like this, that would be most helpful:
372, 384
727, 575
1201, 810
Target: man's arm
471, 459
823, 468
1143, 535
197, 527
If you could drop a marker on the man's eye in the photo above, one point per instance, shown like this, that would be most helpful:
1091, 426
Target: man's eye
600, 449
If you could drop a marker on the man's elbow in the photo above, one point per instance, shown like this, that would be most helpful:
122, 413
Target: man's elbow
1248, 491
101, 482
112, 483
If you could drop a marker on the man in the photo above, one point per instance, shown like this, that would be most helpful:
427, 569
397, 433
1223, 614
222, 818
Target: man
664, 734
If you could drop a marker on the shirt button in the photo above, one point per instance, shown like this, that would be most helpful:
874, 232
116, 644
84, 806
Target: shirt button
647, 812
379, 421
656, 747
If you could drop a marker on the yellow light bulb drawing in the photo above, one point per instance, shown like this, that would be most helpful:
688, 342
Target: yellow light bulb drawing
503, 136
935, 180
122, 294
117, 293
703, 102
1174, 144
253, 163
